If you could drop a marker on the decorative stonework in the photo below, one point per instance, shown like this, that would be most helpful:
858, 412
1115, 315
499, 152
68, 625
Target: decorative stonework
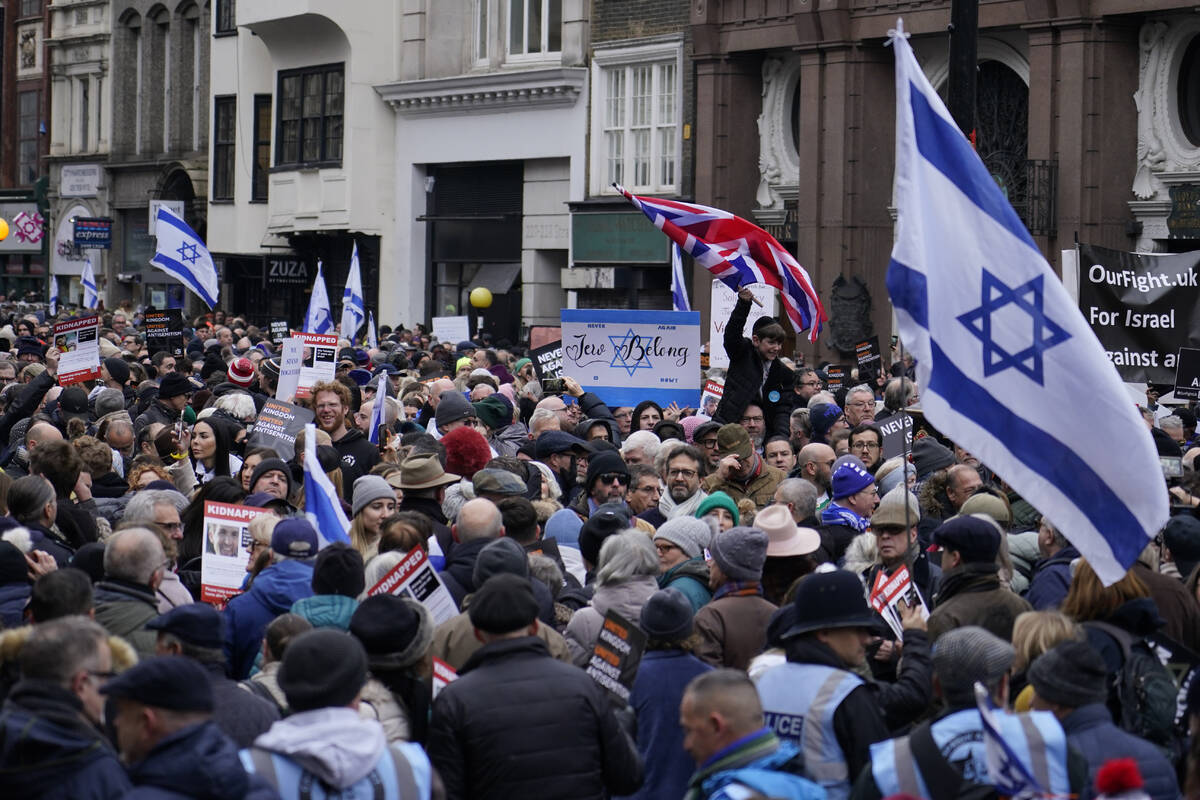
496, 91
778, 160
1165, 157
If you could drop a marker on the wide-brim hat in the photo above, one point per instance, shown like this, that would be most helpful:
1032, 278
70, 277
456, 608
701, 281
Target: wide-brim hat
784, 537
828, 600
425, 471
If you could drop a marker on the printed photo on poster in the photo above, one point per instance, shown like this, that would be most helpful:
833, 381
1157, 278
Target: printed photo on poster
318, 361
78, 342
227, 546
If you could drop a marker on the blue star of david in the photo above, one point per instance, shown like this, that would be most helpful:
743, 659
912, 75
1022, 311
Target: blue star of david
1045, 333
188, 252
620, 359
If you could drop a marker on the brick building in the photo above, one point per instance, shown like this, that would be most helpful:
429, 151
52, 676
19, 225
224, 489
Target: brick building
1087, 116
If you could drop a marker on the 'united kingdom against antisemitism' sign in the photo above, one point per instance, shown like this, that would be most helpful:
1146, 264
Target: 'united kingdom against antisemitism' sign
626, 357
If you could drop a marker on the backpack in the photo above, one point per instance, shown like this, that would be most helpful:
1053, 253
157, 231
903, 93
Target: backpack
1142, 695
943, 780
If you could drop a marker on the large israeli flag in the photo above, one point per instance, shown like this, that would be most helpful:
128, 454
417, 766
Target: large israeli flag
354, 311
182, 255
91, 295
319, 317
1007, 366
321, 504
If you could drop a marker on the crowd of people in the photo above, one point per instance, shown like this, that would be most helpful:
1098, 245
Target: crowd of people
751, 548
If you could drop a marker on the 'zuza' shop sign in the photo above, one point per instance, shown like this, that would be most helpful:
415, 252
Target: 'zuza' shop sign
626, 357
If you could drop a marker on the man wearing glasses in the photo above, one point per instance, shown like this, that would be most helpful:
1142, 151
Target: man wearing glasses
807, 384
56, 711
860, 405
866, 442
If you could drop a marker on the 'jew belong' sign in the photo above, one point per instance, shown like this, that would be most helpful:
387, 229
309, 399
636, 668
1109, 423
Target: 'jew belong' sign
626, 357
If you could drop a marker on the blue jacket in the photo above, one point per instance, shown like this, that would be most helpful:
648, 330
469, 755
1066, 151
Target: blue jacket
326, 610
196, 762
49, 751
691, 578
246, 617
657, 692
1091, 731
1051, 579
13, 597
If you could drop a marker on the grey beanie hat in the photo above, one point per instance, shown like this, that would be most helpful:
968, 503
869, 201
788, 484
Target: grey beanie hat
451, 408
368, 489
689, 534
965, 655
1070, 674
740, 553
501, 556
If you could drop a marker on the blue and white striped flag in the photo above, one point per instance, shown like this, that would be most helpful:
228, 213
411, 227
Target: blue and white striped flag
354, 311
91, 295
53, 295
319, 317
379, 410
321, 504
372, 337
180, 253
1006, 771
678, 284
1008, 367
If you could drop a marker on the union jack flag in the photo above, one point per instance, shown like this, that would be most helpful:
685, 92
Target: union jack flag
737, 252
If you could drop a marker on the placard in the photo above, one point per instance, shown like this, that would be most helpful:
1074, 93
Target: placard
1187, 374
868, 356
78, 342
227, 546
164, 331
443, 675
452, 330
888, 591
723, 301
318, 360
277, 425
279, 330
616, 655
897, 434
1141, 307
710, 396
290, 358
415, 577
836, 376
547, 360
626, 356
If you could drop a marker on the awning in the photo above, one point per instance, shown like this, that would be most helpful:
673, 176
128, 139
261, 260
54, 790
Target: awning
496, 278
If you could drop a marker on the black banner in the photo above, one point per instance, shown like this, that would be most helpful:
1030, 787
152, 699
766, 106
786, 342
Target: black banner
1142, 308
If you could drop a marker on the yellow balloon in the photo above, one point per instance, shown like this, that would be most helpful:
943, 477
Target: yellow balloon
481, 297
3, 230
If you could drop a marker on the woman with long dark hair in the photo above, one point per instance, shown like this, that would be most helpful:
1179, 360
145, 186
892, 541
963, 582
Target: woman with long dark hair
211, 451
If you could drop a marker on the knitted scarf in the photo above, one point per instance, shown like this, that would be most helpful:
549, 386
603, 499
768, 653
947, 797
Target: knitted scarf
839, 515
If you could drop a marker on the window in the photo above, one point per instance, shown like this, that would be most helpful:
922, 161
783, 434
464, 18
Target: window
226, 16
534, 27
84, 114
31, 8
481, 29
262, 148
310, 116
639, 126
224, 138
28, 118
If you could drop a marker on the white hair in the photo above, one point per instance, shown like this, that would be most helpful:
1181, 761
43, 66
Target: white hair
626, 555
381, 565
238, 405
646, 441
823, 396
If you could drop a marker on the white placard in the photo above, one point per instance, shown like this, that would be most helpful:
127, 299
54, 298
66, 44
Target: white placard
77, 341
626, 357
723, 301
318, 360
289, 369
415, 577
452, 330
227, 545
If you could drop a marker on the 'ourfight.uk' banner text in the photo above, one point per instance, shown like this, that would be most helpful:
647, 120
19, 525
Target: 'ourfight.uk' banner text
1142, 307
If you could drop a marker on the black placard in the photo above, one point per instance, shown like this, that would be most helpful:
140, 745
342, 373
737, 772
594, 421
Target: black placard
164, 331
1187, 374
277, 426
616, 655
547, 360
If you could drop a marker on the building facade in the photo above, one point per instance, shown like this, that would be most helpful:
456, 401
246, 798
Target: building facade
1084, 116
302, 150
491, 107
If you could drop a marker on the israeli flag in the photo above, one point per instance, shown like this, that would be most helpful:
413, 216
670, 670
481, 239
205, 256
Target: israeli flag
182, 255
678, 285
1007, 366
319, 317
321, 504
91, 295
372, 337
1006, 771
53, 296
379, 410
353, 309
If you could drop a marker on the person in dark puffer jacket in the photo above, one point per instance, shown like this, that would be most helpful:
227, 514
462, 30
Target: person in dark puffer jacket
755, 371
512, 704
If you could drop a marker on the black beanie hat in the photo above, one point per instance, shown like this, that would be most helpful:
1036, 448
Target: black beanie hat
396, 631
1070, 674
603, 462
323, 668
504, 604
608, 519
272, 465
118, 369
339, 570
